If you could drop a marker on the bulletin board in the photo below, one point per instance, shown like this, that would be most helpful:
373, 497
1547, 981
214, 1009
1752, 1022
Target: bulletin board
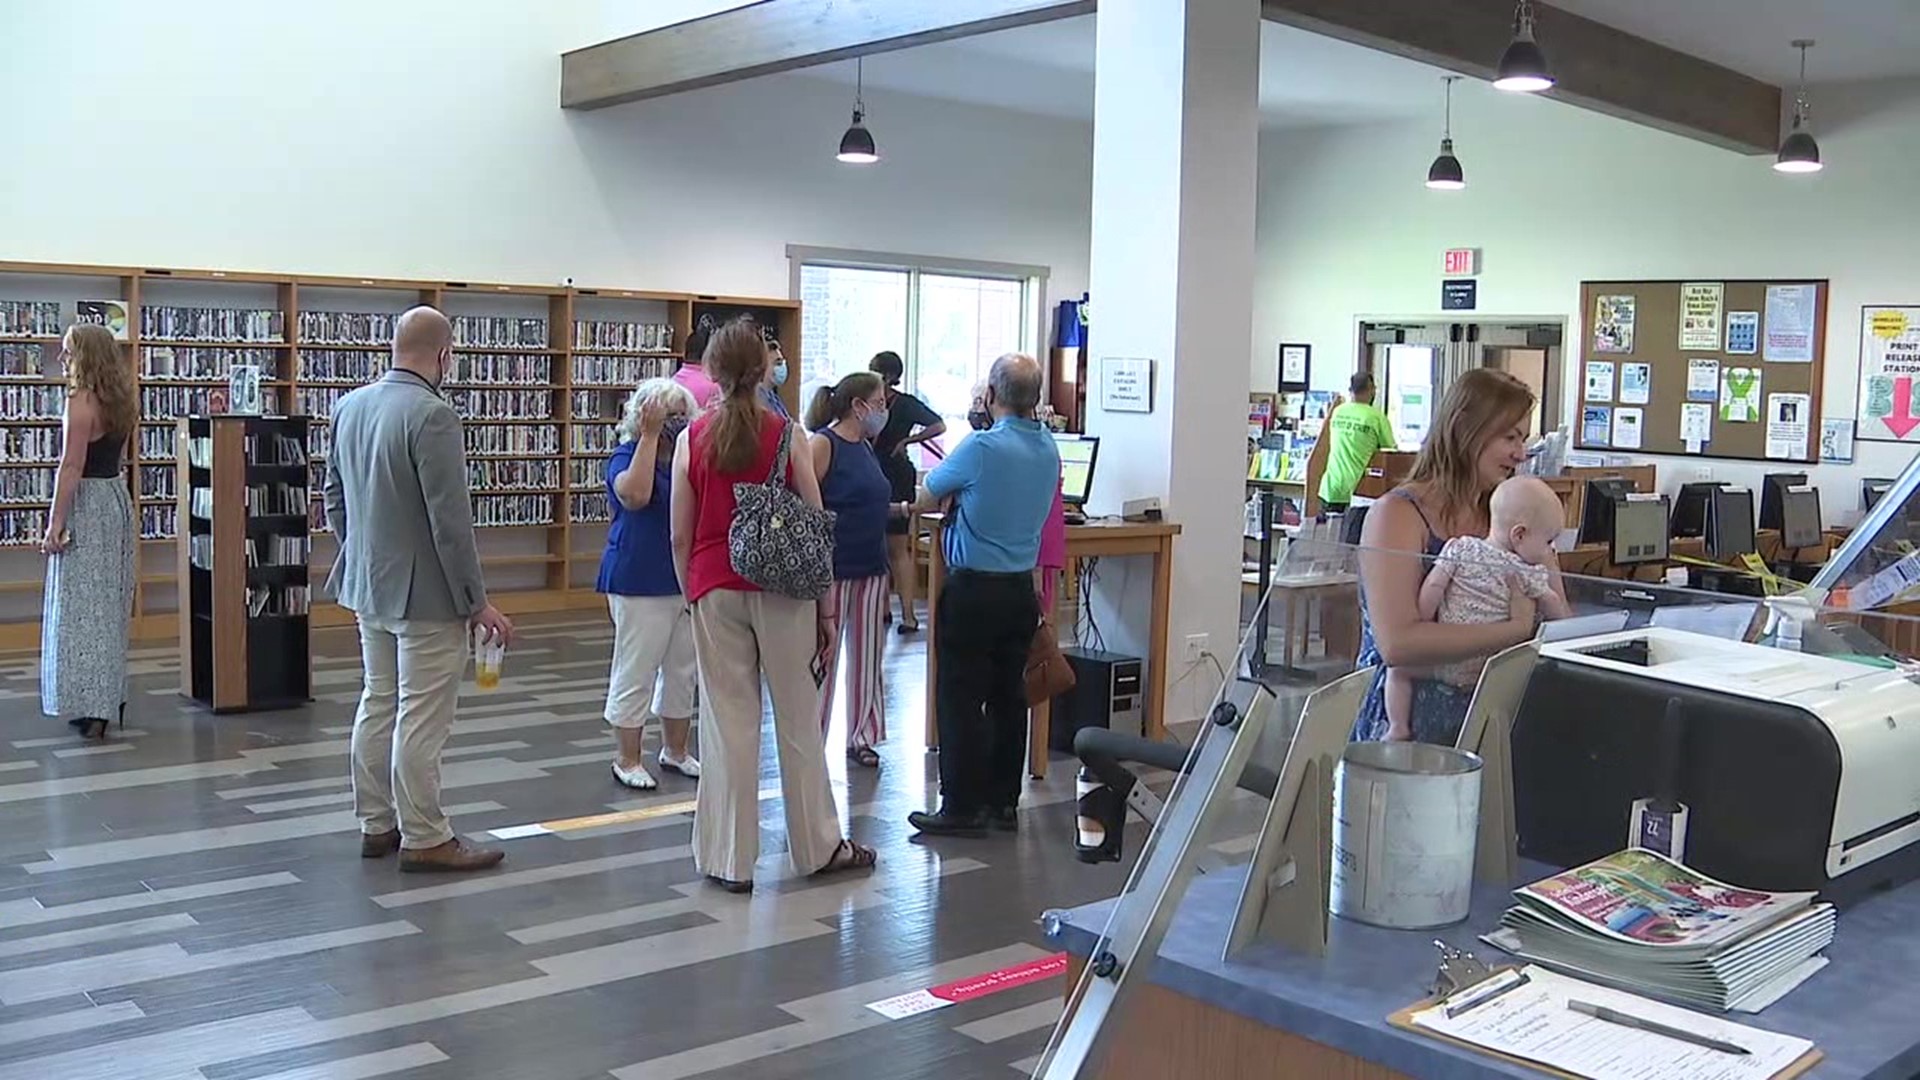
1702, 367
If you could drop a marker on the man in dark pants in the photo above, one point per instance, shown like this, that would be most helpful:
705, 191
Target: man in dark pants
1002, 482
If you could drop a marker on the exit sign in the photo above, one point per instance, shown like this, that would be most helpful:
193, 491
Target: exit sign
1460, 262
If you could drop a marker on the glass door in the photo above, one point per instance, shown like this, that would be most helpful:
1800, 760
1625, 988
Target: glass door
1407, 392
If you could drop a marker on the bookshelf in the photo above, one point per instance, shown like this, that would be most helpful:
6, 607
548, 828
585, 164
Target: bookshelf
243, 562
541, 373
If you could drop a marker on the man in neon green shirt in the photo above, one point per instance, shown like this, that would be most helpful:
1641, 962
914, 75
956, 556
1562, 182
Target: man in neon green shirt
1356, 429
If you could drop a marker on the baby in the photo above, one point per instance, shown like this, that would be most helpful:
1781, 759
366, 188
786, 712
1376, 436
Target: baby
1471, 582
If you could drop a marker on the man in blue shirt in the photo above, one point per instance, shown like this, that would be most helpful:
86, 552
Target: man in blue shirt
1001, 482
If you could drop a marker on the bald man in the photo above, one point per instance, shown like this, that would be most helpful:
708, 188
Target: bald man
409, 570
1002, 482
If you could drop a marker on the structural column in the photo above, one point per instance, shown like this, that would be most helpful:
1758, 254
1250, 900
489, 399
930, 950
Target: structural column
1175, 152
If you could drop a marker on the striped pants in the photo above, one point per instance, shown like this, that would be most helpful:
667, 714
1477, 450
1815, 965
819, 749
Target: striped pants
861, 606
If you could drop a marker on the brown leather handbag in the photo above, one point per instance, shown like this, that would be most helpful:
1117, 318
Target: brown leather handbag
1048, 673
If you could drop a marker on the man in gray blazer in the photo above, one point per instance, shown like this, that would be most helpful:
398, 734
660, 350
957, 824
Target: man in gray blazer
408, 569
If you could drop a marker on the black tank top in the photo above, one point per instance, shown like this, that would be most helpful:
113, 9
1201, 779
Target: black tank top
103, 457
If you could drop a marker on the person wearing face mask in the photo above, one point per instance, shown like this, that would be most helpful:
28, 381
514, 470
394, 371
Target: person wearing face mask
653, 663
776, 378
844, 418
909, 421
409, 570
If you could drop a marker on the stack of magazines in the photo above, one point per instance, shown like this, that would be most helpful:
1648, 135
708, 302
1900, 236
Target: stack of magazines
1642, 922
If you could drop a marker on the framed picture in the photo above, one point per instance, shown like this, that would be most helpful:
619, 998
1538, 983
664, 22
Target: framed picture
1296, 367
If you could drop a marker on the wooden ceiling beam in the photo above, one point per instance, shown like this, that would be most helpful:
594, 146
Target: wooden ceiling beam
1597, 67
780, 35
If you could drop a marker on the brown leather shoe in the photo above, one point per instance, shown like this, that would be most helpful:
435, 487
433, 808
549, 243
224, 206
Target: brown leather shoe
379, 845
456, 856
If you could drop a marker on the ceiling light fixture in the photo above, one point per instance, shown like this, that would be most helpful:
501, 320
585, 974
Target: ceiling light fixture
856, 146
1523, 67
1799, 153
1444, 174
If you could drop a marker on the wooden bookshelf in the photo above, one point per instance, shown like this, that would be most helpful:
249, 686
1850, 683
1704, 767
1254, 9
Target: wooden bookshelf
547, 565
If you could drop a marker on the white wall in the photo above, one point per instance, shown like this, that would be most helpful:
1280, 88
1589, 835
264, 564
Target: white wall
424, 139
1557, 195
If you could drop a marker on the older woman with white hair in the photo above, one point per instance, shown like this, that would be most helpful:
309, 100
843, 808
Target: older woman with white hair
653, 669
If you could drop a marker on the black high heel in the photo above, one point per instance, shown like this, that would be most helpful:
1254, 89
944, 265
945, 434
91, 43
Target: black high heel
95, 730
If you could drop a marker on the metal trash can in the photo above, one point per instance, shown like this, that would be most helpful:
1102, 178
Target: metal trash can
1405, 818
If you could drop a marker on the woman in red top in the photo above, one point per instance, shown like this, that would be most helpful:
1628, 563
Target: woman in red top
741, 634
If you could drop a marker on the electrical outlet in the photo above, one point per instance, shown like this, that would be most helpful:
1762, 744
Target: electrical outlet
1197, 646
1703, 473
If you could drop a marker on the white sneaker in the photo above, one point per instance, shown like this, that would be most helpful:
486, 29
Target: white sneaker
637, 777
688, 766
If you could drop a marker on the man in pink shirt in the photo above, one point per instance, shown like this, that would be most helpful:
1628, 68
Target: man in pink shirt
692, 375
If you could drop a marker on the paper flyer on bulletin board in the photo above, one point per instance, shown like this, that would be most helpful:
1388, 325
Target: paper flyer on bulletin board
1700, 304
1743, 333
1836, 442
1740, 395
1787, 423
1889, 374
1613, 324
1703, 379
1599, 380
1789, 329
1696, 425
1626, 428
1596, 425
1636, 383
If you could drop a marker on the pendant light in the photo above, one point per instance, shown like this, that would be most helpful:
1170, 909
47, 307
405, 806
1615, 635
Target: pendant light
1444, 174
1799, 153
856, 146
1523, 67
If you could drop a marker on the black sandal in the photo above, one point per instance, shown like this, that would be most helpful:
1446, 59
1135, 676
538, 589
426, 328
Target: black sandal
849, 856
864, 756
732, 886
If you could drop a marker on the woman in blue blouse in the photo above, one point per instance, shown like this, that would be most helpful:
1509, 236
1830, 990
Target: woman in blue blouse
653, 664
844, 419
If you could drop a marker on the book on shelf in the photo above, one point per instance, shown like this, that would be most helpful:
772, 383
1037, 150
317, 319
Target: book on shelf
204, 362
346, 328
533, 475
21, 526
272, 499
619, 372
586, 405
499, 331
512, 510
621, 336
30, 444
589, 507
263, 325
276, 600
166, 402
505, 369
30, 318
159, 522
157, 442
21, 401
27, 485
484, 438
476, 404
111, 314
276, 450
1642, 922
342, 365
593, 438
158, 481
19, 360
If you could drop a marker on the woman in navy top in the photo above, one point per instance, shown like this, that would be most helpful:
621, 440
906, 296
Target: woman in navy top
653, 663
845, 418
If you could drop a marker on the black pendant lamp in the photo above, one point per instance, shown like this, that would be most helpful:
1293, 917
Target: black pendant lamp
1523, 67
1445, 174
1799, 153
856, 146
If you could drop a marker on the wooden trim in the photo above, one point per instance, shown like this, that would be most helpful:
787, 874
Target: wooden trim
229, 475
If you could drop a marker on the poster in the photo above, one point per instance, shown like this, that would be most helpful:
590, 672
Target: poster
1599, 380
1126, 384
1836, 442
1636, 383
243, 389
1700, 314
111, 314
1789, 337
1626, 429
1787, 423
1889, 372
1596, 425
1743, 333
1703, 379
1740, 395
1613, 324
1294, 366
1696, 425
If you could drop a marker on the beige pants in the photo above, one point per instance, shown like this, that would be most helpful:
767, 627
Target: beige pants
413, 671
652, 673
741, 637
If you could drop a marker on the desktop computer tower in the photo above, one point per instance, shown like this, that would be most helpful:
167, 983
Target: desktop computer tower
1108, 692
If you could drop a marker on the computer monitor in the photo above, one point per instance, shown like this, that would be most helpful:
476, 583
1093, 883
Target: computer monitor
1800, 524
1872, 490
1639, 531
1596, 509
1771, 488
1730, 523
1077, 456
1690, 510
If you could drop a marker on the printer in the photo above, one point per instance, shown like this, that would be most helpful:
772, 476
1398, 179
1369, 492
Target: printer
1801, 772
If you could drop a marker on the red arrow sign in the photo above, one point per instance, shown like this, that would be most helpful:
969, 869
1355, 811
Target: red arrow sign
1902, 420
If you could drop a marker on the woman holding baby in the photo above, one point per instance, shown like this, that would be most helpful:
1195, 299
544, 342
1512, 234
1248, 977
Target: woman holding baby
1498, 575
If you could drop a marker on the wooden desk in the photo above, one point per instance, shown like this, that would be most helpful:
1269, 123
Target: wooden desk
1590, 560
1093, 540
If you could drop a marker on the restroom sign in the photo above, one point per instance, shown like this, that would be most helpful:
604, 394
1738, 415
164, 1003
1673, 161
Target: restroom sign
1460, 262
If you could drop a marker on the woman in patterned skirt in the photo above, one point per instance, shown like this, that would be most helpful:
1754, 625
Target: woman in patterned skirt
89, 540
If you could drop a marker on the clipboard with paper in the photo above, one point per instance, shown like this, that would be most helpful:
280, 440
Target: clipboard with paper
1527, 1015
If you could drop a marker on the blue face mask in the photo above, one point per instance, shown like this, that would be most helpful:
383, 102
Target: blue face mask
780, 373
873, 423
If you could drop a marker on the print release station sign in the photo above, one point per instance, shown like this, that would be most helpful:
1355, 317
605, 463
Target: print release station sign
1126, 384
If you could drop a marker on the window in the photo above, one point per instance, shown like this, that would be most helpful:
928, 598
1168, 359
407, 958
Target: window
948, 321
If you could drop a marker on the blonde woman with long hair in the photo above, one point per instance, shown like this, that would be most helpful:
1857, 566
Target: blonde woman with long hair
653, 666
89, 541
